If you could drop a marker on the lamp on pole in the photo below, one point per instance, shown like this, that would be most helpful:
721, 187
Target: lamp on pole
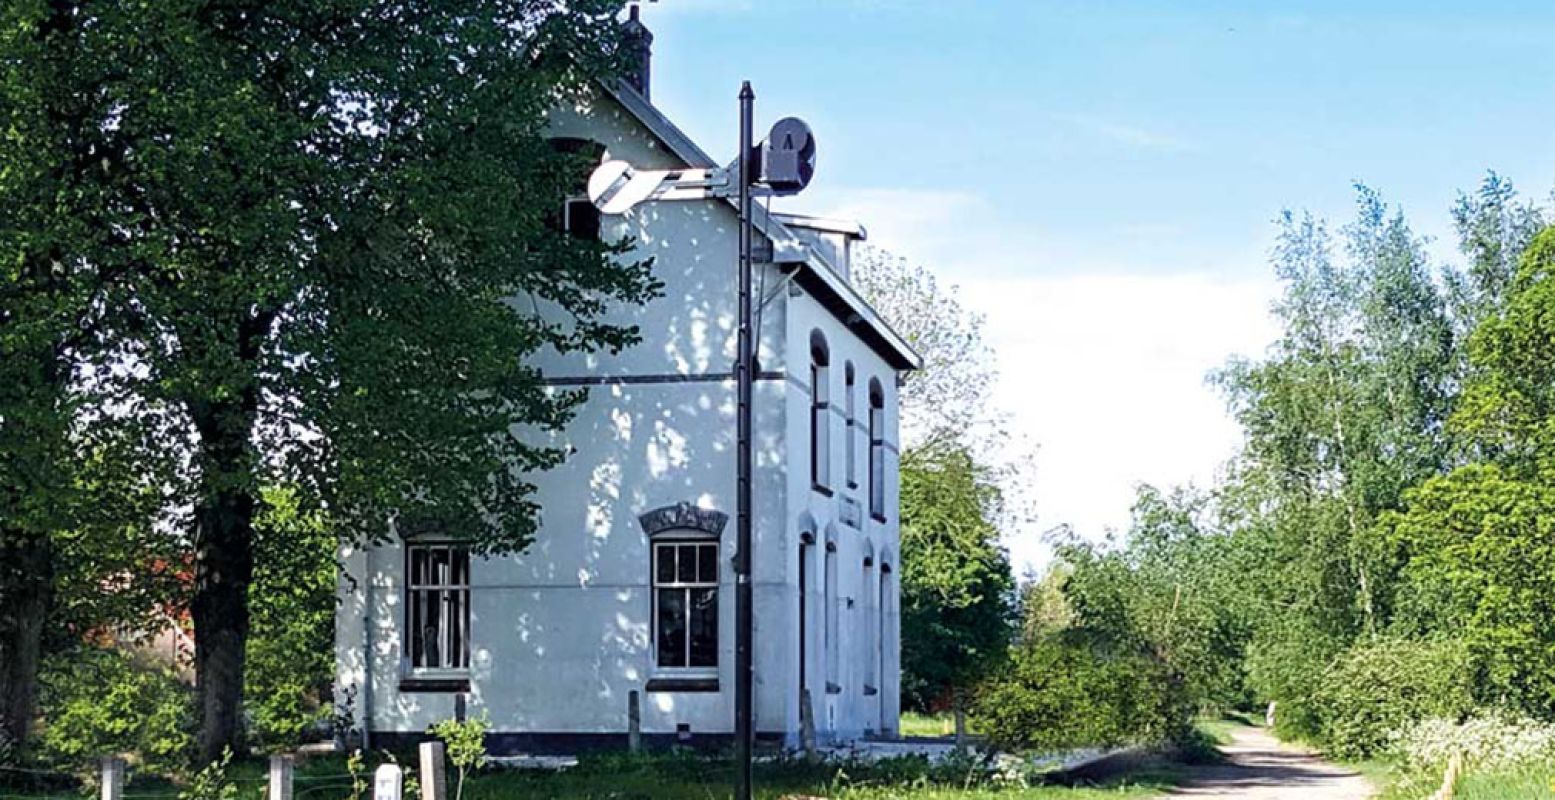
782, 165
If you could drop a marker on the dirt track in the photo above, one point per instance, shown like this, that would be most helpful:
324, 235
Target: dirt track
1259, 767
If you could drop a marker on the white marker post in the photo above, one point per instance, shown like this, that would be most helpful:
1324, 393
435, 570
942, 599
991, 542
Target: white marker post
388, 782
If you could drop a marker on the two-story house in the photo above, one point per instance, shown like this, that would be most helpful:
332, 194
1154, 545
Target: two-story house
625, 601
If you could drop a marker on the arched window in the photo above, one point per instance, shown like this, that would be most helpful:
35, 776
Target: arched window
876, 450
807, 541
578, 215
849, 435
820, 413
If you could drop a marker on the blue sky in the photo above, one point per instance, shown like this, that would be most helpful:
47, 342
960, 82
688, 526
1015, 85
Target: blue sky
1099, 177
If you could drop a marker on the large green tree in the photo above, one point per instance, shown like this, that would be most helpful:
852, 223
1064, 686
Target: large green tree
318, 216
1478, 545
957, 587
1346, 411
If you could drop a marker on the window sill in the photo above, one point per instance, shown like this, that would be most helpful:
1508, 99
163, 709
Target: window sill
822, 490
832, 688
443, 684
688, 684
870, 691
877, 517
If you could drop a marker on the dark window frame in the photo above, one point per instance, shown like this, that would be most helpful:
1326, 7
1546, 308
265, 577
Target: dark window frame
820, 414
877, 465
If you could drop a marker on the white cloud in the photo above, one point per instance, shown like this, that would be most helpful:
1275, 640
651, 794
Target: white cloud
923, 224
1106, 375
1123, 133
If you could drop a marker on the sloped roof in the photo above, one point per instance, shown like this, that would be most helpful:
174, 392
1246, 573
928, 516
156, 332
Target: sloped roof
817, 275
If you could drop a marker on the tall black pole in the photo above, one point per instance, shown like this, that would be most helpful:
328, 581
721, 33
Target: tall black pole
744, 671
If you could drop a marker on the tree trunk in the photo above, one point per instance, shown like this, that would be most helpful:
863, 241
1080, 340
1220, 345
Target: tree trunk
223, 569
26, 584
224, 549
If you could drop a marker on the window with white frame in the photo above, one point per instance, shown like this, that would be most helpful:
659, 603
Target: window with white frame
437, 606
578, 216
685, 598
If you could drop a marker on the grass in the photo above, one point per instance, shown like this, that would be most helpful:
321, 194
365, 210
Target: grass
688, 777
1521, 783
673, 776
915, 724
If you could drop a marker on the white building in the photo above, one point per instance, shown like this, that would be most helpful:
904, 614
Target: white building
626, 596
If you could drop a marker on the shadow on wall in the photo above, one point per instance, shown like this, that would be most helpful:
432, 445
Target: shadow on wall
561, 632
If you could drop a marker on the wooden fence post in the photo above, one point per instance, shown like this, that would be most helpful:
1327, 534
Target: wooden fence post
281, 770
434, 772
113, 778
634, 722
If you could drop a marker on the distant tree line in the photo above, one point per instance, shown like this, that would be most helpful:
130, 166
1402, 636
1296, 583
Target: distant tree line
1381, 550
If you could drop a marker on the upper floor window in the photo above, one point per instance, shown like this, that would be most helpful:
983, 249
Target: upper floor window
437, 606
820, 412
685, 600
851, 461
876, 449
577, 215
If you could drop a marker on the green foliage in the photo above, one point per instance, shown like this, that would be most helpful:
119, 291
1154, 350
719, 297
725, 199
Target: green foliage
1377, 688
210, 782
956, 586
98, 702
1077, 689
291, 653
303, 232
466, 744
1479, 552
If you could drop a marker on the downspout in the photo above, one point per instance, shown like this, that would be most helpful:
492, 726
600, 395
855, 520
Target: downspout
367, 665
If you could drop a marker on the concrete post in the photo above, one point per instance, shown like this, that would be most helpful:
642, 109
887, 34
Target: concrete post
113, 778
281, 769
388, 782
634, 722
807, 725
434, 772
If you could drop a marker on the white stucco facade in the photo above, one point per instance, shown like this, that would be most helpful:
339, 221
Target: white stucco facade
561, 636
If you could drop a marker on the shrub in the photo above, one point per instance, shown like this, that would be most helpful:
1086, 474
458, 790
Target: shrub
466, 743
1066, 690
291, 646
97, 702
1379, 687
1488, 741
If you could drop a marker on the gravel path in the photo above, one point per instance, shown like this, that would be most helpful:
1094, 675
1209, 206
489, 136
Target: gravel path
1260, 767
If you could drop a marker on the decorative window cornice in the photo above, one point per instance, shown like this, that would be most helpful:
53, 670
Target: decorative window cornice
683, 515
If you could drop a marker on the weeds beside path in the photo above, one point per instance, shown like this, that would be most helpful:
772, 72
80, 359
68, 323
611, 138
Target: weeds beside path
1260, 767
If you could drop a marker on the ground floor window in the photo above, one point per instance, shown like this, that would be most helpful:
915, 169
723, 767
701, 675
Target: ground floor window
685, 615
438, 606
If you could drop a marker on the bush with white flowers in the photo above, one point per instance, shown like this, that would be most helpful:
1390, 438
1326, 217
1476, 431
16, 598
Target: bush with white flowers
1487, 741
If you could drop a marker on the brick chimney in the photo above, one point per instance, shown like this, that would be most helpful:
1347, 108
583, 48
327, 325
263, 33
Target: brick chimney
639, 53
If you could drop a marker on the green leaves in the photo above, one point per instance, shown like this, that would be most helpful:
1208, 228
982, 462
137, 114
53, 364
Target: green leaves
957, 588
